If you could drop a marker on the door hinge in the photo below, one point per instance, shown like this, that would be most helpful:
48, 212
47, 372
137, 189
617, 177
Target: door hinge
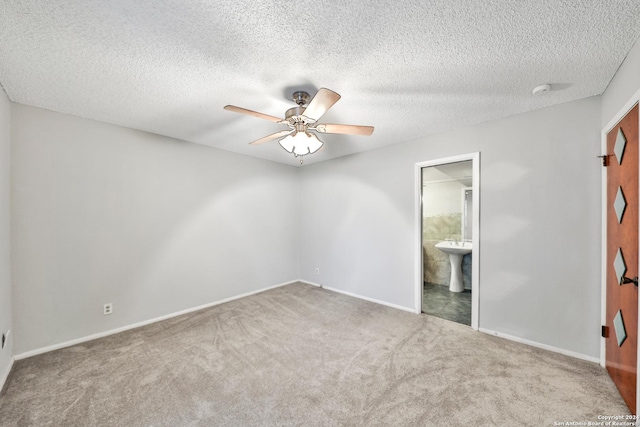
605, 159
605, 331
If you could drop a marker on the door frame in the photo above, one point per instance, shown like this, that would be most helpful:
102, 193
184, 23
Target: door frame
475, 241
635, 99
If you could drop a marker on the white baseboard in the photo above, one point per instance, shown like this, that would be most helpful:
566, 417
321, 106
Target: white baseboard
47, 349
542, 346
318, 285
81, 340
398, 307
483, 330
5, 375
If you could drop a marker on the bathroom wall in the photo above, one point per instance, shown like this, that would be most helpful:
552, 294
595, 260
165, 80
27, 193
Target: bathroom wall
441, 219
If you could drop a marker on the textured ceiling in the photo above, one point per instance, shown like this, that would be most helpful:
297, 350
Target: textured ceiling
409, 68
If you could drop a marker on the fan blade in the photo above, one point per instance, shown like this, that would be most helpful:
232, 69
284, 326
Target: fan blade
272, 136
252, 113
344, 129
320, 103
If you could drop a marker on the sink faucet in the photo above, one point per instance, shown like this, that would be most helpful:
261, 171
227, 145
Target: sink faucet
452, 240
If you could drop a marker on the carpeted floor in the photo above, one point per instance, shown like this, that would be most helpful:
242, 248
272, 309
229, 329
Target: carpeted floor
303, 356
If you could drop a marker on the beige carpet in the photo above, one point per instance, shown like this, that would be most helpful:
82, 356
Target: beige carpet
303, 356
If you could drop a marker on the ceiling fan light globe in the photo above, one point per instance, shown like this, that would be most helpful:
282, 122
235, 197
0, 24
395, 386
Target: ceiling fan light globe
287, 143
301, 150
301, 143
314, 143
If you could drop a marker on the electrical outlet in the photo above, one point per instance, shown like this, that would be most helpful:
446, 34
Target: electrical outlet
108, 308
317, 271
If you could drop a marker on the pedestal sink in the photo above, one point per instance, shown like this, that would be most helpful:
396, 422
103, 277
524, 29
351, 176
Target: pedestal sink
455, 250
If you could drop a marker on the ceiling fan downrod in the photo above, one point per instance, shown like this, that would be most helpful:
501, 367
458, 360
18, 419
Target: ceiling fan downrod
301, 98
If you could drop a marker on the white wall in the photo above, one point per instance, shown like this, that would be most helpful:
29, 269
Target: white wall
151, 224
539, 222
5, 275
623, 85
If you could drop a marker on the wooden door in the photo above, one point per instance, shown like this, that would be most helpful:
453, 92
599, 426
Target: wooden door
622, 256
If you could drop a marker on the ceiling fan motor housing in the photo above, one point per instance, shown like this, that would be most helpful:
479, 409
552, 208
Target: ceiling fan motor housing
302, 99
292, 112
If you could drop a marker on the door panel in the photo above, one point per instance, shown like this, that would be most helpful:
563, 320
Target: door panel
622, 256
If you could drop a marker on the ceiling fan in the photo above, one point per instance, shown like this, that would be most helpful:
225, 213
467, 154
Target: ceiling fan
301, 120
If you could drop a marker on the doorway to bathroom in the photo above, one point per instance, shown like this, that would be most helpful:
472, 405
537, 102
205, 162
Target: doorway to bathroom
447, 224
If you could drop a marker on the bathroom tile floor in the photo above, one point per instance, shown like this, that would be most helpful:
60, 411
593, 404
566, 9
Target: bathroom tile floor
440, 302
